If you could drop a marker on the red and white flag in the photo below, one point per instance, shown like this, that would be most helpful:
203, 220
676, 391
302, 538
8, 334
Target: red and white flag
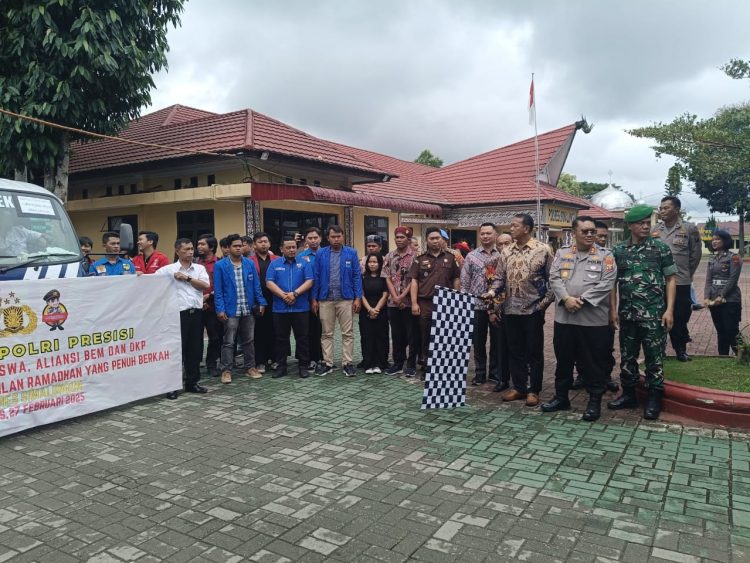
532, 103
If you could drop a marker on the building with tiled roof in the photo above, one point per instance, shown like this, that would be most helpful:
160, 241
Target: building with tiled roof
183, 171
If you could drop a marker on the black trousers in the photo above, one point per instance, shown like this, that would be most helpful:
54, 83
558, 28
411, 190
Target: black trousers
683, 309
375, 335
191, 333
215, 332
265, 340
315, 332
525, 334
500, 351
404, 328
425, 324
726, 319
284, 324
588, 349
482, 327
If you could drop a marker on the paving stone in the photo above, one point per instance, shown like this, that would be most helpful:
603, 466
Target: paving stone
352, 470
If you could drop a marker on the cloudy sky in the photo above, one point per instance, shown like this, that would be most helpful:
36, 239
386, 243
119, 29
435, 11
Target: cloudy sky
399, 76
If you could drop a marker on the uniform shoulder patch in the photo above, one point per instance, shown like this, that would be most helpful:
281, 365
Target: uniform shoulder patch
735, 259
609, 263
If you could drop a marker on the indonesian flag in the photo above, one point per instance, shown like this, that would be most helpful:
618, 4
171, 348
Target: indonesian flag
532, 103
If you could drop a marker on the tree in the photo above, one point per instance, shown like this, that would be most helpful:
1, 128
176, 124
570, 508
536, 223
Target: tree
714, 153
426, 157
81, 64
673, 185
569, 183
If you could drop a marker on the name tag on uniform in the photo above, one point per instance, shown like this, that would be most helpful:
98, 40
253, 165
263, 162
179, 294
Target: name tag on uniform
100, 269
281, 268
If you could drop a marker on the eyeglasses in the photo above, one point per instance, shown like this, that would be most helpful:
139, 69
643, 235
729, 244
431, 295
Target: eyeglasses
589, 231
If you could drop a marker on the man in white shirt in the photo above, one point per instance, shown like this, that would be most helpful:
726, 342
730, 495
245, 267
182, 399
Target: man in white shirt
189, 281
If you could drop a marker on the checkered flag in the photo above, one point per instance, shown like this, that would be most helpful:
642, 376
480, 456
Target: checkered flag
450, 344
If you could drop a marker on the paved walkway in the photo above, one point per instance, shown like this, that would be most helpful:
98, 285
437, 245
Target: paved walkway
337, 469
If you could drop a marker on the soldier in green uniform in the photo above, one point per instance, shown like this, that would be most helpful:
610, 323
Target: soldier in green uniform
646, 285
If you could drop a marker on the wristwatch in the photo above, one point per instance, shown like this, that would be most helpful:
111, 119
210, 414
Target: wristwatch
295, 293
189, 279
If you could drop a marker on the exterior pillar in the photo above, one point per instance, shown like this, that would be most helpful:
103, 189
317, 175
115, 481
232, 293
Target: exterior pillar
252, 216
349, 225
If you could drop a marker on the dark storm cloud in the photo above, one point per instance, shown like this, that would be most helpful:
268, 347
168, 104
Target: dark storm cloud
401, 76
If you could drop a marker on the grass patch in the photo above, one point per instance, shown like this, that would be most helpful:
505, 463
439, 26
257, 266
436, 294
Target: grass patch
715, 373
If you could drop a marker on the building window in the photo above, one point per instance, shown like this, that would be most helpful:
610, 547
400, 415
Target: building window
303, 181
279, 223
84, 193
121, 189
377, 226
109, 191
192, 224
464, 235
194, 181
113, 224
211, 180
289, 180
316, 183
177, 183
133, 188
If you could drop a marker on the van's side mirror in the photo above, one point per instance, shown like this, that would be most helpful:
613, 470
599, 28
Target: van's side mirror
126, 237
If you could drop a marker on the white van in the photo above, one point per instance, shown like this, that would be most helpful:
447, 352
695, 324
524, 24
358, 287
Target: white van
37, 238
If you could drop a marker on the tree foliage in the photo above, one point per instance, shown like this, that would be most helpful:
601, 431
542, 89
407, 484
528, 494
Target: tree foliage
581, 188
82, 64
714, 153
673, 185
426, 157
569, 183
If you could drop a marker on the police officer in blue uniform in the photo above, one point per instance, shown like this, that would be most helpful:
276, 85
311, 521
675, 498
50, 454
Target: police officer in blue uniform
112, 264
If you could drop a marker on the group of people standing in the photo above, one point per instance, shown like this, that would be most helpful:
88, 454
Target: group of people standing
254, 299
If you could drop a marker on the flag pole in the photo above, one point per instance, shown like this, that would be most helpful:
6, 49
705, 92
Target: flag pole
536, 168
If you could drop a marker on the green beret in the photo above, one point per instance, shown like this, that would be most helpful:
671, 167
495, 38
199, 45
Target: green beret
638, 213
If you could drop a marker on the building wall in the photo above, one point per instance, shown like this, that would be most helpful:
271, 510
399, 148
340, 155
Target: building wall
228, 218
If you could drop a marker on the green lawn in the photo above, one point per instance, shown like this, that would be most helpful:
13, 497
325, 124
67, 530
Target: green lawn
716, 373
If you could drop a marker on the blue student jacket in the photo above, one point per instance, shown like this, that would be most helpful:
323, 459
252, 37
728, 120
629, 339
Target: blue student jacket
225, 288
289, 276
351, 277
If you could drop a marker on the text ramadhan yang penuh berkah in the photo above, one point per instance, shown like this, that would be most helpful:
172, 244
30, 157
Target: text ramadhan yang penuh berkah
70, 347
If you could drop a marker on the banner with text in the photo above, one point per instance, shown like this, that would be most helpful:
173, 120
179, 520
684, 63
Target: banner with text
70, 347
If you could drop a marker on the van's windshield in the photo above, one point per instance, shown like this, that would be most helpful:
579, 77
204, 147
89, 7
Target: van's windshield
35, 227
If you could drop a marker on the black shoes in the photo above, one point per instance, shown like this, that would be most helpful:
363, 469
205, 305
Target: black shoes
612, 386
303, 374
479, 381
653, 404
172, 395
323, 369
627, 400
280, 372
195, 389
500, 387
593, 409
682, 356
556, 404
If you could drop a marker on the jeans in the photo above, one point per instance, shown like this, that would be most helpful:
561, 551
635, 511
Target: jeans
244, 326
